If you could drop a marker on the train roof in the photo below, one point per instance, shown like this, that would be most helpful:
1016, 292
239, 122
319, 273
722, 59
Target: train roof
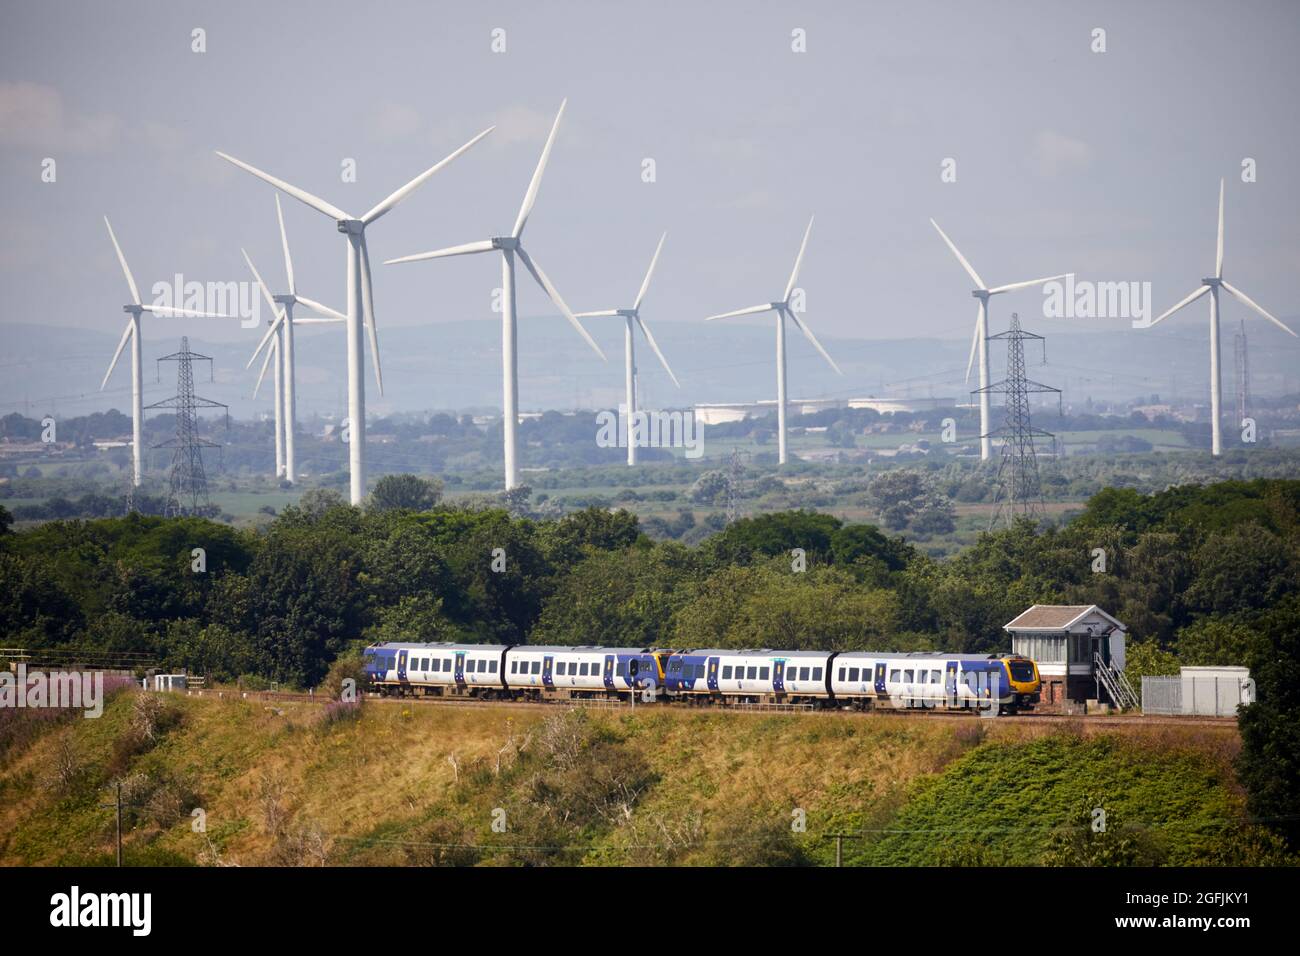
434, 645
750, 652
585, 648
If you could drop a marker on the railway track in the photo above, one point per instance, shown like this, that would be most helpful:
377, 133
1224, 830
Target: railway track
1151, 720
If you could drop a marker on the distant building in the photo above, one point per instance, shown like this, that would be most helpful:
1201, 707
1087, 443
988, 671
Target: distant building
887, 406
1068, 641
719, 413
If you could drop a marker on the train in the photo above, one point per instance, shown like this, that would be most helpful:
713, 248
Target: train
857, 680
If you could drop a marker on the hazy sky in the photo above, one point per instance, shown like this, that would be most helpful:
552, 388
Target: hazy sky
1106, 164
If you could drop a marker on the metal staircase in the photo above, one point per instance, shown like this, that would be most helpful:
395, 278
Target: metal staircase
1116, 684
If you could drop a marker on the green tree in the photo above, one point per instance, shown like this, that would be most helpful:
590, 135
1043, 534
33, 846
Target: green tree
405, 492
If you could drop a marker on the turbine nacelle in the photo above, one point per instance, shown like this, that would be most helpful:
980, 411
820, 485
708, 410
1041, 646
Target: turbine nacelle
352, 227
505, 242
1212, 281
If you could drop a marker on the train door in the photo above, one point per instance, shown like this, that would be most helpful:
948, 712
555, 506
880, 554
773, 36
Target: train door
950, 683
609, 671
713, 674
547, 679
401, 667
778, 677
460, 668
880, 678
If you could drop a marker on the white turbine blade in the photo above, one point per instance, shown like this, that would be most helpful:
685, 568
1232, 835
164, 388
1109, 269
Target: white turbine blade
813, 339
645, 283
1012, 286
272, 352
284, 242
320, 205
168, 312
410, 187
483, 245
970, 270
368, 300
974, 343
316, 320
126, 270
798, 261
602, 314
530, 197
126, 335
270, 332
752, 310
655, 345
551, 291
266, 293
334, 314
1200, 291
1218, 256
1257, 307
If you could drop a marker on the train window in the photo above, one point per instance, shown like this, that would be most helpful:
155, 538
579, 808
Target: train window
726, 672
764, 673
894, 677
816, 673
803, 673
751, 673
620, 669
424, 663
907, 676
537, 667
514, 667
841, 677
934, 677
853, 674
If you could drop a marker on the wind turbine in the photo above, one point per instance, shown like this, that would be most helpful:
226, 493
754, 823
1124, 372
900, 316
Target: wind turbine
980, 341
280, 334
509, 247
1211, 285
135, 308
360, 297
782, 310
630, 316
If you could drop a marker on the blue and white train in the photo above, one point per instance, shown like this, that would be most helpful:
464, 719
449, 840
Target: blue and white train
844, 679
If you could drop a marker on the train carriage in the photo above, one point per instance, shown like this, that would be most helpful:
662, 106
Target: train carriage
585, 671
438, 669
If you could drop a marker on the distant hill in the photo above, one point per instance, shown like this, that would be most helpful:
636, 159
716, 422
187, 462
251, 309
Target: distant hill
457, 366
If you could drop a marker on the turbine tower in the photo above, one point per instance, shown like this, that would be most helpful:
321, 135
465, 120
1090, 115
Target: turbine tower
509, 247
783, 311
630, 316
980, 341
135, 308
280, 334
360, 297
1212, 284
